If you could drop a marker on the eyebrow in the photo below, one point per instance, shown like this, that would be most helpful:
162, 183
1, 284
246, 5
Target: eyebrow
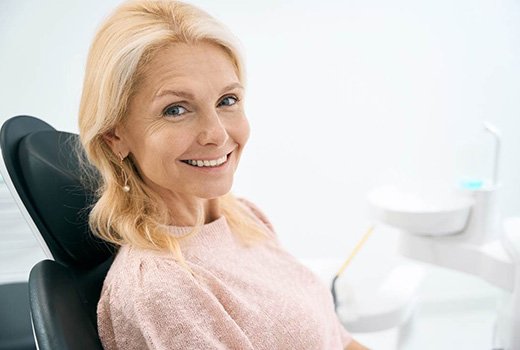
190, 96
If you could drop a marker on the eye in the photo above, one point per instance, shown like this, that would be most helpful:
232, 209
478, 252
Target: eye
228, 101
174, 111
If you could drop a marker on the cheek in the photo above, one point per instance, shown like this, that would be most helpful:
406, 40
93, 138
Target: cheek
241, 131
159, 151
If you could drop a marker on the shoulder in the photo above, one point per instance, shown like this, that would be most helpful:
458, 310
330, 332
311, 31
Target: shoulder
127, 310
148, 286
136, 268
139, 278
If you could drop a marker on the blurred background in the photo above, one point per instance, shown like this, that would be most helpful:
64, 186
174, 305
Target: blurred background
343, 97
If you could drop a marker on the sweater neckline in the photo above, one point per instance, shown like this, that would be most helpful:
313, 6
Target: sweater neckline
216, 227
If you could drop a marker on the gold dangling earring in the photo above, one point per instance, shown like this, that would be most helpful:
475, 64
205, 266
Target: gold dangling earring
126, 187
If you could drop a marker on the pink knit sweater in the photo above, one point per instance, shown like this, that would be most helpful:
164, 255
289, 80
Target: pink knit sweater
259, 297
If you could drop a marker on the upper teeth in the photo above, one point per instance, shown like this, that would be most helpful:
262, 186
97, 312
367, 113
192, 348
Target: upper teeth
201, 163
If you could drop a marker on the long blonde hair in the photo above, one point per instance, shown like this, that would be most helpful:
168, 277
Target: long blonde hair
121, 49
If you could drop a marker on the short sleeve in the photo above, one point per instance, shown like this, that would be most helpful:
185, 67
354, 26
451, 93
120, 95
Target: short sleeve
166, 308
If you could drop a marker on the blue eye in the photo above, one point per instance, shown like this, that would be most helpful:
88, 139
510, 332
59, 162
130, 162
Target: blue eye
174, 111
228, 101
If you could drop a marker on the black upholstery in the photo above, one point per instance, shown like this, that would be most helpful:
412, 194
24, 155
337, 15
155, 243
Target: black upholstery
15, 319
44, 168
63, 305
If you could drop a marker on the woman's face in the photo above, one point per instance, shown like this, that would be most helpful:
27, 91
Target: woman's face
186, 128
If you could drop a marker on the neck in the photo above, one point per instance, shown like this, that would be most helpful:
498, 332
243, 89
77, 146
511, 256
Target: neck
212, 210
185, 213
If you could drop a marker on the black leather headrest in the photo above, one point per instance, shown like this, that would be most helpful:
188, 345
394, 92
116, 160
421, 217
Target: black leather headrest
44, 167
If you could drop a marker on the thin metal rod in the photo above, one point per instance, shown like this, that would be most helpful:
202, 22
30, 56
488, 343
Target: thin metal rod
357, 248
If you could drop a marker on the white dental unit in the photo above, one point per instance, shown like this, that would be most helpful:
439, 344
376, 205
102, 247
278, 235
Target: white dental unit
463, 231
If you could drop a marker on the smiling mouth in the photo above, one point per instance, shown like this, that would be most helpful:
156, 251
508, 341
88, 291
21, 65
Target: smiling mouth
210, 163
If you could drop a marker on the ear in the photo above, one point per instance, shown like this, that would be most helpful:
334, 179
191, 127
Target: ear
115, 140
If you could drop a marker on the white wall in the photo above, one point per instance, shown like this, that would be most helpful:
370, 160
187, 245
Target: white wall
343, 96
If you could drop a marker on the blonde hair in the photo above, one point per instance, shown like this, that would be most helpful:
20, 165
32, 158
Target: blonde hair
125, 43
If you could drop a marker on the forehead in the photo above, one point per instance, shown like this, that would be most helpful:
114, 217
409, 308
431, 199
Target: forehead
189, 64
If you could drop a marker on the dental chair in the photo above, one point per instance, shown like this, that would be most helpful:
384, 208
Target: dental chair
41, 168
15, 329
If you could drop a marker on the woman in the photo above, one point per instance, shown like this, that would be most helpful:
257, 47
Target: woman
162, 119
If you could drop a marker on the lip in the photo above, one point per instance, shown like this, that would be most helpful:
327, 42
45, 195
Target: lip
211, 157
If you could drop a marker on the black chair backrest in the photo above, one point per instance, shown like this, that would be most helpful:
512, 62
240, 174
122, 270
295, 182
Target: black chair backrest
43, 166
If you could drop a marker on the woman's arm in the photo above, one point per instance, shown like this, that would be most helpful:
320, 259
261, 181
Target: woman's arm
354, 345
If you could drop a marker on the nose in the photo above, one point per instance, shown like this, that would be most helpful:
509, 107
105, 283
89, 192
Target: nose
212, 130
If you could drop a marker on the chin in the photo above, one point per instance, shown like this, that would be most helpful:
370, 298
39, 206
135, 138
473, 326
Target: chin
214, 192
